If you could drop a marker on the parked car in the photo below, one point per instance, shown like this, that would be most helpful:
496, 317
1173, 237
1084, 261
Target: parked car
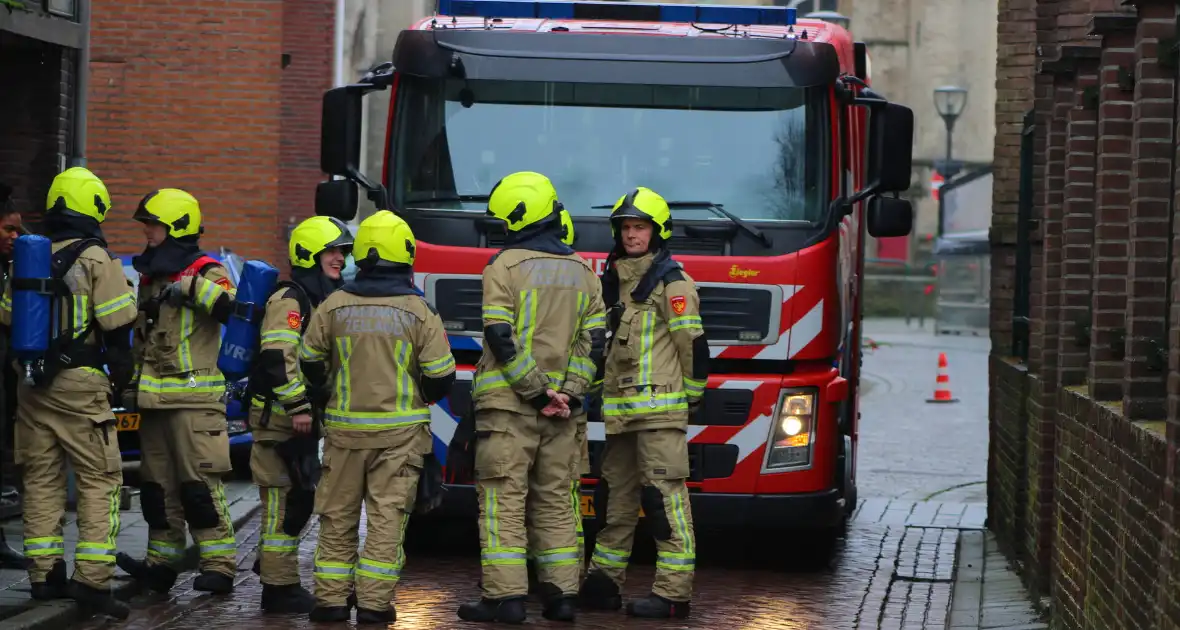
240, 438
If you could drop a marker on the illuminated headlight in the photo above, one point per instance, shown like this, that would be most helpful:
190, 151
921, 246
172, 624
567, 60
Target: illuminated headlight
235, 427
792, 432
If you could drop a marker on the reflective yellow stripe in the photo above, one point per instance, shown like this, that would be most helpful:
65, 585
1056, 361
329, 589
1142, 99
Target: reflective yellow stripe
184, 352
164, 550
693, 387
402, 351
646, 333
327, 570
193, 383
606, 556
374, 420
497, 313
280, 336
290, 391
439, 367
647, 403
376, 570
111, 307
308, 354
208, 294
594, 321
218, 547
81, 316
343, 386
45, 546
95, 552
684, 322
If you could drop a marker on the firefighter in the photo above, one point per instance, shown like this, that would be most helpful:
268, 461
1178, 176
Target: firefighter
580, 466
66, 413
655, 372
385, 348
543, 326
285, 456
184, 296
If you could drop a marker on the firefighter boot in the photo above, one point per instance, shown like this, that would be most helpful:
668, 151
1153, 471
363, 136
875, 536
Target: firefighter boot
507, 610
599, 592
286, 599
214, 582
158, 577
557, 606
54, 586
364, 616
327, 614
655, 607
96, 601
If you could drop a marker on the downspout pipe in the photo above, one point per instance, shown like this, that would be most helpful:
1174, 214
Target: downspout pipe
81, 87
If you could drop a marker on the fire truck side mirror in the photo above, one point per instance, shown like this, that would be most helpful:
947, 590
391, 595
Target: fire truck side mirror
891, 148
340, 131
336, 198
890, 216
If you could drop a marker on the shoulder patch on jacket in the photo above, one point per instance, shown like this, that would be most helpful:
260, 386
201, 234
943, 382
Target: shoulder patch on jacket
223, 283
678, 304
294, 320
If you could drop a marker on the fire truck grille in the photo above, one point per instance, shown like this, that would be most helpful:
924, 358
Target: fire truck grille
730, 314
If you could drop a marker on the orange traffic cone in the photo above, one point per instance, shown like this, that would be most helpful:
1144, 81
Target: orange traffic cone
942, 383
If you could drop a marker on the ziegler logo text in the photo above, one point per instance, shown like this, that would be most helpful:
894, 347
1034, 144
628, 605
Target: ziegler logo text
736, 272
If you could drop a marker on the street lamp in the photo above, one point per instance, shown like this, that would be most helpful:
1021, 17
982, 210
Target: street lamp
949, 101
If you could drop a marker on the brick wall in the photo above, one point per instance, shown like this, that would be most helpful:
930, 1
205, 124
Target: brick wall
309, 44
212, 112
1082, 480
36, 113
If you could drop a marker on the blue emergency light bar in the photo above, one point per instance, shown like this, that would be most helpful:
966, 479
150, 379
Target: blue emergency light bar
618, 11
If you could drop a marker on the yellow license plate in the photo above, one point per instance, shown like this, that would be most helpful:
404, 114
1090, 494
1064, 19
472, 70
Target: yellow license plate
127, 421
588, 506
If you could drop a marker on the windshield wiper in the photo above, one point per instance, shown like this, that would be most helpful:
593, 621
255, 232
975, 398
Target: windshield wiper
720, 211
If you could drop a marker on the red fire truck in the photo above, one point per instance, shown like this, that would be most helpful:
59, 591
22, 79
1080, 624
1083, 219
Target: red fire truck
762, 132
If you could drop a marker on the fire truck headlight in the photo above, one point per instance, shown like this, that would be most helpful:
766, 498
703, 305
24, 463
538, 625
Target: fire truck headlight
791, 436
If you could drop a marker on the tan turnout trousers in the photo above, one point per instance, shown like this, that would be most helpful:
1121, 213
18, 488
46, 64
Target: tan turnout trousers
51, 426
523, 466
647, 468
385, 481
279, 553
183, 450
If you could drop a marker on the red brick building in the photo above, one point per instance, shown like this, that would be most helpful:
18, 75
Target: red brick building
1085, 369
219, 98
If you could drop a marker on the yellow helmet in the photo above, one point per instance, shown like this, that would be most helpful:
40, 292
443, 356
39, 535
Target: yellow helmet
313, 236
174, 208
643, 203
567, 227
384, 236
81, 192
523, 199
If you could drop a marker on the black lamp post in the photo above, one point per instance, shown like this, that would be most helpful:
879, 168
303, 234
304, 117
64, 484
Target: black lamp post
949, 101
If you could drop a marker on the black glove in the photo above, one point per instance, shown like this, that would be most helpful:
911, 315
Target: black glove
173, 295
128, 399
430, 486
301, 455
461, 451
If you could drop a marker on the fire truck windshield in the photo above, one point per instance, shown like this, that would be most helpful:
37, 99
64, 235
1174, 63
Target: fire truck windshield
756, 151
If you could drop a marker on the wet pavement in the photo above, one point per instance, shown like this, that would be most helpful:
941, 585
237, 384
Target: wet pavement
921, 477
895, 570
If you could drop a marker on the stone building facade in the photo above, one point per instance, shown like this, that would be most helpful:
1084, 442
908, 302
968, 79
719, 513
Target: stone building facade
1085, 321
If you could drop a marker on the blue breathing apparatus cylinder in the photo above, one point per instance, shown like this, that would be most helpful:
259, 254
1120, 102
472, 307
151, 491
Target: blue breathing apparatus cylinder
243, 331
32, 308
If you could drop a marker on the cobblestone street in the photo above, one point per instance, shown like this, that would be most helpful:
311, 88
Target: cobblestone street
901, 565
